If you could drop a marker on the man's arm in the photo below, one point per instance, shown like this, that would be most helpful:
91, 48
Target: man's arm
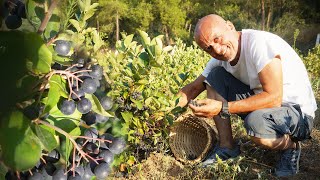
191, 91
272, 85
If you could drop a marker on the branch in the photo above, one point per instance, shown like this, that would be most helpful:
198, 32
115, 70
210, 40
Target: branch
47, 17
68, 136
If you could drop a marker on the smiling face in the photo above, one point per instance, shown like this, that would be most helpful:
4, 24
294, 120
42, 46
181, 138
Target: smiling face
218, 38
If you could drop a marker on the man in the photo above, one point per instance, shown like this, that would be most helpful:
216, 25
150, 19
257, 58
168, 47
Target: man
258, 76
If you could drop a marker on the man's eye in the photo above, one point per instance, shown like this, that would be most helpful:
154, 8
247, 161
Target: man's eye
209, 48
216, 39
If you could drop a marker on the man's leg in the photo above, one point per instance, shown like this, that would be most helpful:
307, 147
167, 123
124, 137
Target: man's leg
273, 128
281, 143
222, 86
223, 125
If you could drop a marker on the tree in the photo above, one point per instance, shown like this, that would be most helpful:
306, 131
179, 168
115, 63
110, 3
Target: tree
171, 17
109, 16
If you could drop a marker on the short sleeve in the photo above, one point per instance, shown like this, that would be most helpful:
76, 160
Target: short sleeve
210, 65
262, 51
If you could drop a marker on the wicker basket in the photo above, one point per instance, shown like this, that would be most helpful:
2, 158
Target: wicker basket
192, 137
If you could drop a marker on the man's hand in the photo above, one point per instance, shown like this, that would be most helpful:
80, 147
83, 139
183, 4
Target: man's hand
206, 107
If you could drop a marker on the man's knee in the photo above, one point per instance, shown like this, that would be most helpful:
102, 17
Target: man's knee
254, 123
217, 73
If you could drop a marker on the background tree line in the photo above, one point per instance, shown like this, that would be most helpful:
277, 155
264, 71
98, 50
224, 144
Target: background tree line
177, 18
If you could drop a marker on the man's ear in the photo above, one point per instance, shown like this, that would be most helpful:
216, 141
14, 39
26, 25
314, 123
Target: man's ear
230, 25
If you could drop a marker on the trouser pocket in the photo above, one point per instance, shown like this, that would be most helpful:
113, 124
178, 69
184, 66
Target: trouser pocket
303, 128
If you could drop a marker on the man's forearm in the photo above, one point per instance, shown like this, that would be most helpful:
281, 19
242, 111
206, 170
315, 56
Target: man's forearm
258, 101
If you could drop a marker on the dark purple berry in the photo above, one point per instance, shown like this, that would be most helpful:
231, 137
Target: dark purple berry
91, 133
96, 72
106, 103
117, 145
89, 86
107, 156
106, 144
102, 170
13, 22
59, 174
89, 118
67, 107
62, 47
84, 105
53, 156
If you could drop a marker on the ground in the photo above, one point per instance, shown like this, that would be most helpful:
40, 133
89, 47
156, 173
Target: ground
254, 163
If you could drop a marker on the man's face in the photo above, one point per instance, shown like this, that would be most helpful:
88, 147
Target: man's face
219, 39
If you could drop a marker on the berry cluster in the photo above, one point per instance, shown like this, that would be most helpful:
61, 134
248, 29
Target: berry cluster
195, 103
101, 149
13, 11
83, 78
88, 83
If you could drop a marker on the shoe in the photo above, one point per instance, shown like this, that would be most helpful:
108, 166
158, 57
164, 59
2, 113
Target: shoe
289, 162
223, 153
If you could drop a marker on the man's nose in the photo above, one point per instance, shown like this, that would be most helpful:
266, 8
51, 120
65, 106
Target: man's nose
217, 49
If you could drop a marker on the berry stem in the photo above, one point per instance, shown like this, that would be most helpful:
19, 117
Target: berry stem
97, 139
82, 153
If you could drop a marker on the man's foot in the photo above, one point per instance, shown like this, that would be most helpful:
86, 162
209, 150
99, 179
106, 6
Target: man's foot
289, 162
223, 153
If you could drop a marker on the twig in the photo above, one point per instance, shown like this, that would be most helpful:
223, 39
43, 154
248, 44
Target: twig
97, 139
70, 76
47, 17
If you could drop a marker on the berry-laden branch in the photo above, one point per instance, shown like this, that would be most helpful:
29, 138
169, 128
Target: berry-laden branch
76, 146
70, 76
47, 17
68, 136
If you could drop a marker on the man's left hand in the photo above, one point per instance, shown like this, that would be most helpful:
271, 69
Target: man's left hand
207, 108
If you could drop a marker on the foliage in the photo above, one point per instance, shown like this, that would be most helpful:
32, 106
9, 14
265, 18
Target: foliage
145, 79
38, 77
177, 18
312, 63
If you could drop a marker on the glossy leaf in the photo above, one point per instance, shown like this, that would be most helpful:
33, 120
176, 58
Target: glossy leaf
96, 106
57, 85
20, 147
46, 136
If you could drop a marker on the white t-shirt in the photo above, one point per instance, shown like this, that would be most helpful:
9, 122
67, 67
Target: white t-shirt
258, 48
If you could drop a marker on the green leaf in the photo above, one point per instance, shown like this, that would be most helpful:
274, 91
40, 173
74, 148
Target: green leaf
137, 103
96, 106
19, 53
57, 114
35, 14
57, 84
167, 48
128, 40
66, 146
88, 15
46, 136
142, 82
75, 24
145, 38
53, 26
37, 53
127, 116
20, 147
3, 171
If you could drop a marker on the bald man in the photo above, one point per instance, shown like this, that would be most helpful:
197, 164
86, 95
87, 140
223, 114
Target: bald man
258, 76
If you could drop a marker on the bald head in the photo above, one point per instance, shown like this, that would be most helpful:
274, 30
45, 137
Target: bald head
217, 37
205, 25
